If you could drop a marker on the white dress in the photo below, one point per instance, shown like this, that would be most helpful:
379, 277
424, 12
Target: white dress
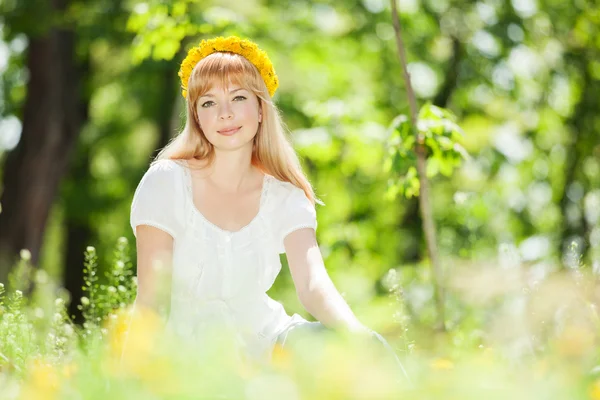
219, 276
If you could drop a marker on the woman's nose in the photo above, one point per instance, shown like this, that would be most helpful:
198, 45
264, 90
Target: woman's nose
226, 112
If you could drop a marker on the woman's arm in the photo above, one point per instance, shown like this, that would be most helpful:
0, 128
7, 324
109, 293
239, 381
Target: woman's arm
154, 269
316, 291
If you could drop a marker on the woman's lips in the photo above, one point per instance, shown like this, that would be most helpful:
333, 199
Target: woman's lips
230, 131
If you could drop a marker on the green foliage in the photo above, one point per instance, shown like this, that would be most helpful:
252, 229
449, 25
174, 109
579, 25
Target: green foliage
116, 291
160, 28
21, 276
38, 326
120, 287
443, 139
523, 83
90, 307
129, 356
441, 136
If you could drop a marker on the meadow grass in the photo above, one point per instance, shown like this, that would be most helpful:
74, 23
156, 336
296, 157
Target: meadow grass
513, 331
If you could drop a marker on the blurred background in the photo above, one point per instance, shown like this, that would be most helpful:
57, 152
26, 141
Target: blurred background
89, 92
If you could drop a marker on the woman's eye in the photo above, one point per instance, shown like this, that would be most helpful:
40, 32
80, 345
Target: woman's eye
210, 102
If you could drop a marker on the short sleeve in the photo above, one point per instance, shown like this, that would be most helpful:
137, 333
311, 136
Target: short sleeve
296, 212
158, 199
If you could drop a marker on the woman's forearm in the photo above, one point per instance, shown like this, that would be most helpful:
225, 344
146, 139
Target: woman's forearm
326, 304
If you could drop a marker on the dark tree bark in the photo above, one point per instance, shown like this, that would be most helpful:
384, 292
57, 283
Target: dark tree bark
78, 238
581, 145
167, 114
33, 170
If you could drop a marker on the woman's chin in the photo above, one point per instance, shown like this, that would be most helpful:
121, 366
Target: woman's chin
233, 144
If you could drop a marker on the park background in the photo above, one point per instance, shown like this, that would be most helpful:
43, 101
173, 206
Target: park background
90, 93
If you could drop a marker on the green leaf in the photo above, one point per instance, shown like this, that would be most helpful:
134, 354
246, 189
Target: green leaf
140, 52
165, 49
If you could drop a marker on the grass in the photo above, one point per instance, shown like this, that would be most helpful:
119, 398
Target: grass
518, 332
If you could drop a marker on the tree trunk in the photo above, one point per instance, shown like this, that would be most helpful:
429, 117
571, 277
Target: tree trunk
33, 170
167, 115
581, 145
412, 214
78, 238
424, 196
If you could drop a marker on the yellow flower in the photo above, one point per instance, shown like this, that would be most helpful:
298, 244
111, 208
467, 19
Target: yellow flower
442, 363
575, 341
132, 337
594, 390
281, 358
69, 369
43, 382
234, 44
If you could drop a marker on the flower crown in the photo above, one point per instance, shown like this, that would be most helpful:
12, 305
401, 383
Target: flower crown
232, 44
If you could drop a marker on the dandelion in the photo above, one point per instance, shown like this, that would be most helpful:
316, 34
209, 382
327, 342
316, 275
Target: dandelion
131, 335
281, 358
43, 382
594, 390
442, 363
69, 370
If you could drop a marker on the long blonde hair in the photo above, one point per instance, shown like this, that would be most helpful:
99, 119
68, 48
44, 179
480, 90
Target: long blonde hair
272, 151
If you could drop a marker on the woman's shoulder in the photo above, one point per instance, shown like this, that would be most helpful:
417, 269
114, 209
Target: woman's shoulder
282, 189
163, 174
286, 194
157, 200
167, 165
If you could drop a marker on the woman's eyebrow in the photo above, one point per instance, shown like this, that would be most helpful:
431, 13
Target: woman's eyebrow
231, 91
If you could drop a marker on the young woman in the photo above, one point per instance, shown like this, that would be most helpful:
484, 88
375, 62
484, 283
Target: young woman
223, 200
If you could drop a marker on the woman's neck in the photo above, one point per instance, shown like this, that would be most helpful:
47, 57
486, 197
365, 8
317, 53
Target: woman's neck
231, 172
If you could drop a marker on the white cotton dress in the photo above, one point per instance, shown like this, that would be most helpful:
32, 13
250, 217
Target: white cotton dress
219, 276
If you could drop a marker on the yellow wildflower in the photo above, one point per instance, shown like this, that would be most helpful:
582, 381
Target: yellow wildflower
281, 358
43, 382
594, 390
233, 44
575, 341
442, 363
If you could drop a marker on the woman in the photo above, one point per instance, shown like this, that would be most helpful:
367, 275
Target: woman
223, 200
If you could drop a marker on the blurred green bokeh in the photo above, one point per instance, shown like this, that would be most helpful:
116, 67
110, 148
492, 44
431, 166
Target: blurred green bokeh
523, 77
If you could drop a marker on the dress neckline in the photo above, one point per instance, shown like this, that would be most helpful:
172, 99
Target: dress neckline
190, 194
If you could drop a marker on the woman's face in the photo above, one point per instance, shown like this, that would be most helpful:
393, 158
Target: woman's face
229, 117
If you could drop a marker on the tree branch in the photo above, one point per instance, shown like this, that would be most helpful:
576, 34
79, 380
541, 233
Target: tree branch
424, 198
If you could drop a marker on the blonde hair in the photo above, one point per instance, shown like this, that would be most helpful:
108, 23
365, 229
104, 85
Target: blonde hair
272, 151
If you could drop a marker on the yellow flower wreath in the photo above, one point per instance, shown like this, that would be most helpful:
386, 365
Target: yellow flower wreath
232, 44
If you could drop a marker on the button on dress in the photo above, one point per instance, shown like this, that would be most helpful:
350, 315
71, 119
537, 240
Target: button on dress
220, 277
